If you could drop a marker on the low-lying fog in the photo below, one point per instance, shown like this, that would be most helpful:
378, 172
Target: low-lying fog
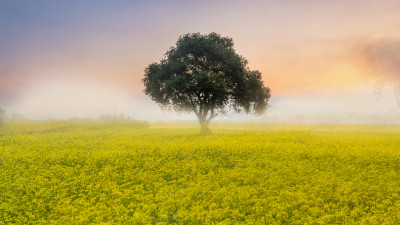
66, 99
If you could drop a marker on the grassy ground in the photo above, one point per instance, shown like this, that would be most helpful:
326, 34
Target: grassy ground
82, 173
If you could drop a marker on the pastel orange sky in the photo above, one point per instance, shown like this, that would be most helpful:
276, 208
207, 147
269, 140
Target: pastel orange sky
301, 47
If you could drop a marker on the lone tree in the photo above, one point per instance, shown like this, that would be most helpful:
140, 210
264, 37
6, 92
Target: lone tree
204, 74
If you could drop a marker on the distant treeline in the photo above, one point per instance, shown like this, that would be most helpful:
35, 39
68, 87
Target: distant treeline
106, 118
16, 117
345, 118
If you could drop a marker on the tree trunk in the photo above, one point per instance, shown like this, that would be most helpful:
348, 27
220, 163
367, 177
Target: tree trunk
204, 129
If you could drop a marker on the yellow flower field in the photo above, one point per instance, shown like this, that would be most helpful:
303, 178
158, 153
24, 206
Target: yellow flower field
83, 173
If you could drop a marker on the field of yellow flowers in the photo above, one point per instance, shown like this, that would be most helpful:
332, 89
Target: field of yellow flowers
83, 173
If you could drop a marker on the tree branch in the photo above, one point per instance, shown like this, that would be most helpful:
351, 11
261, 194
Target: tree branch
205, 112
193, 105
212, 115
200, 103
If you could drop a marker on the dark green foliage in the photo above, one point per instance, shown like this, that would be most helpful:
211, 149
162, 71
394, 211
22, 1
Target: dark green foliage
204, 74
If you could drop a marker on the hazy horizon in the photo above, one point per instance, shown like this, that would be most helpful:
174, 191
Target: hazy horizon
84, 59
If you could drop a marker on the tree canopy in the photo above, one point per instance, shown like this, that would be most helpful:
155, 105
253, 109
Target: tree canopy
203, 74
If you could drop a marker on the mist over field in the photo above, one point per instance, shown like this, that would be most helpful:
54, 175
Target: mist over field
63, 101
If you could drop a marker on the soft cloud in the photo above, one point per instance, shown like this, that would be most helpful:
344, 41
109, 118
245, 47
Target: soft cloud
382, 57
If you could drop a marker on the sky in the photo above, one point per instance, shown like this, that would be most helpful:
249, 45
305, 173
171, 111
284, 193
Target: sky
62, 59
